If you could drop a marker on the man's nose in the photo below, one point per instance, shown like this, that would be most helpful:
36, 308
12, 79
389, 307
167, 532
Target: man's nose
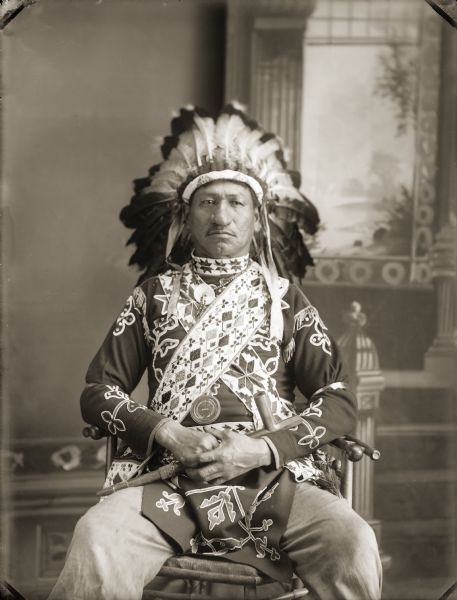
221, 214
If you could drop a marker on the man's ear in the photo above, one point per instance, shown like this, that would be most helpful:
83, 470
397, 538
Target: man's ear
256, 219
185, 212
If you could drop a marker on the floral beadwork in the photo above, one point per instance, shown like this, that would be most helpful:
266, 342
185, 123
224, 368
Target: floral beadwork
313, 410
173, 500
139, 300
126, 318
221, 503
225, 502
250, 533
135, 303
312, 438
114, 423
309, 317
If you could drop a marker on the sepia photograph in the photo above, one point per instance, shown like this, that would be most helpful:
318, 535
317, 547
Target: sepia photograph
228, 300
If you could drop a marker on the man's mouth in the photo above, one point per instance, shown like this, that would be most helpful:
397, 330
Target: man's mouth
219, 233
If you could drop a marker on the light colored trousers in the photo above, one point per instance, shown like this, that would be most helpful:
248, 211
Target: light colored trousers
115, 551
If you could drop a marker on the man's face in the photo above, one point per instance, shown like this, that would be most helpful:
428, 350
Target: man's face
221, 219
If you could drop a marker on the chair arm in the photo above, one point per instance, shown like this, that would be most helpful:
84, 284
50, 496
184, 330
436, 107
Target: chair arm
94, 432
355, 449
97, 433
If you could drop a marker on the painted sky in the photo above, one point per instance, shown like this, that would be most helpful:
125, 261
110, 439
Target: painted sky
352, 157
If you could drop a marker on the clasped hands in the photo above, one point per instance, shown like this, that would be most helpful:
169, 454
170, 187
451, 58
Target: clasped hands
211, 455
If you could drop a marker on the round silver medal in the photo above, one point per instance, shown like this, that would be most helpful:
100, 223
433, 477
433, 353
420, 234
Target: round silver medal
205, 409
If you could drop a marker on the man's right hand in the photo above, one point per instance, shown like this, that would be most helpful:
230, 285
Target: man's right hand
184, 443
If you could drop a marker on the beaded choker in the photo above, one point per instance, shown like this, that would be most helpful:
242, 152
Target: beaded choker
219, 267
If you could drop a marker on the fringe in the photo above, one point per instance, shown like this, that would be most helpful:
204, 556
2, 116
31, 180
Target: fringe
272, 280
174, 297
176, 227
302, 316
330, 480
289, 350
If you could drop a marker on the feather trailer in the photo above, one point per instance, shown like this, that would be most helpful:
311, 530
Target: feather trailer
309, 216
276, 178
236, 105
302, 211
140, 184
247, 139
169, 179
199, 142
174, 232
137, 212
183, 153
266, 151
281, 157
289, 251
207, 127
235, 108
183, 122
227, 129
286, 191
169, 142
295, 177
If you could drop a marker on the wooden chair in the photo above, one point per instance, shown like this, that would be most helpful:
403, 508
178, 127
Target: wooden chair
200, 573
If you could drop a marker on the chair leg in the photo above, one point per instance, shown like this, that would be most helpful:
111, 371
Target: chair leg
249, 592
204, 588
189, 587
297, 584
193, 586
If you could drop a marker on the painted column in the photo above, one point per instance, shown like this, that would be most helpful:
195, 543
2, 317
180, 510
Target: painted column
441, 358
264, 68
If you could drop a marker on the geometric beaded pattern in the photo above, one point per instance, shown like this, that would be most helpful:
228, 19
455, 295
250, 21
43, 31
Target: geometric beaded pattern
212, 341
219, 266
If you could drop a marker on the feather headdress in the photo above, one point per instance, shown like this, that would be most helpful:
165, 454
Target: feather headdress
233, 147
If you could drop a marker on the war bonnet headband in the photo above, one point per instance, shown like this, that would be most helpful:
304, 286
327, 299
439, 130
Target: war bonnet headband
225, 175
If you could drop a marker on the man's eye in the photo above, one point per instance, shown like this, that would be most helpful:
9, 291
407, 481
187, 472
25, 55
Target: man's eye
236, 203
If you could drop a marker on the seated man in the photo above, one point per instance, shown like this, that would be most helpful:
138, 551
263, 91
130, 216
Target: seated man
213, 329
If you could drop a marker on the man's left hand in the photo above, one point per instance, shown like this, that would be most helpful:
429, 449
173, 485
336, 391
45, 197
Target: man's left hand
235, 455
